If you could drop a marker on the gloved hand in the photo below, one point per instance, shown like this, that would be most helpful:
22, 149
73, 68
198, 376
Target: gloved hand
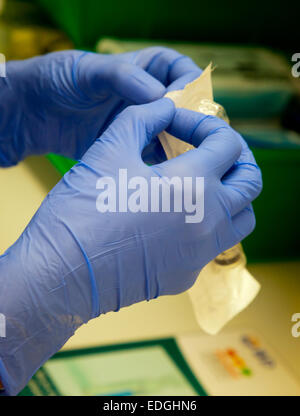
63, 101
75, 261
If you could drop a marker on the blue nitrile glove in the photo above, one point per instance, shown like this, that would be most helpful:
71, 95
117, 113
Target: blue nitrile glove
63, 101
74, 262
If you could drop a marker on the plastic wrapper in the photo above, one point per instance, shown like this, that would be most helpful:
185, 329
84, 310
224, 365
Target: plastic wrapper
224, 286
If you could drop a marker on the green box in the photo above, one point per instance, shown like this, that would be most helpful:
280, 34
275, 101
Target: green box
276, 236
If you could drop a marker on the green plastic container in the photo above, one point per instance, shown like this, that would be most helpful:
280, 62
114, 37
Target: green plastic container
277, 232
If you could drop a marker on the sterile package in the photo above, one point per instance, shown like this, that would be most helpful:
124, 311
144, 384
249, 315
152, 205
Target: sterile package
224, 286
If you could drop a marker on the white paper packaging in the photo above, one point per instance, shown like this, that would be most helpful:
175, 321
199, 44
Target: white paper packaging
224, 286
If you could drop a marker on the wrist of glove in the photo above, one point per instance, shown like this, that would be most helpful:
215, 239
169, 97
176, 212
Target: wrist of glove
34, 300
51, 284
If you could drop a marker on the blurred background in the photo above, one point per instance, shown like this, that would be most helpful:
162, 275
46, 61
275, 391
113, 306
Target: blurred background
253, 46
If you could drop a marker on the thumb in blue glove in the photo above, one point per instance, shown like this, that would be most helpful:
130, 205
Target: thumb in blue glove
74, 263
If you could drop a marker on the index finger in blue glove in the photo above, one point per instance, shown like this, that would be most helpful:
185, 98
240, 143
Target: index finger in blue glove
218, 145
221, 151
95, 74
167, 65
130, 127
243, 182
181, 82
